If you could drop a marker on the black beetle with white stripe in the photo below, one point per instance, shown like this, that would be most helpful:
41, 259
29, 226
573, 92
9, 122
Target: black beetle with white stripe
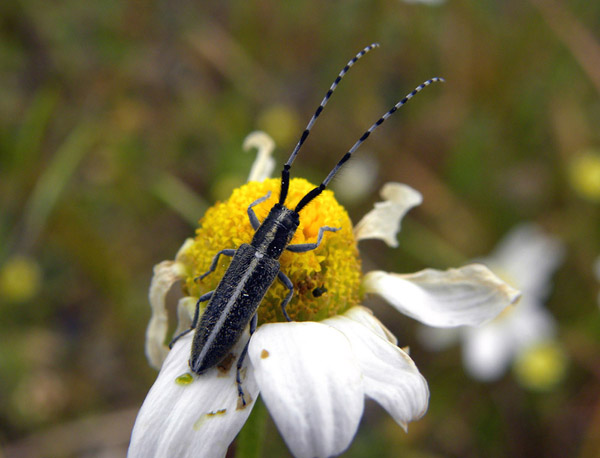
255, 266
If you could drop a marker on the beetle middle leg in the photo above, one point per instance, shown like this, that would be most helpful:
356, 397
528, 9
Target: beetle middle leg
303, 247
289, 285
240, 362
203, 298
215, 261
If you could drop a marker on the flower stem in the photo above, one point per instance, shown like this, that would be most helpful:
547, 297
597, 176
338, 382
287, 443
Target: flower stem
250, 440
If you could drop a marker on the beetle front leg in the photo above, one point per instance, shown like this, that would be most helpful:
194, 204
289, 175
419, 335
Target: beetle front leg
203, 298
240, 362
215, 261
289, 285
251, 215
304, 247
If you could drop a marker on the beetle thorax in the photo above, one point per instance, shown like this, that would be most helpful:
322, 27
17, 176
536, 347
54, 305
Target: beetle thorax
276, 231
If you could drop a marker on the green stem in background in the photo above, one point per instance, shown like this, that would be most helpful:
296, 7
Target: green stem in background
250, 440
180, 198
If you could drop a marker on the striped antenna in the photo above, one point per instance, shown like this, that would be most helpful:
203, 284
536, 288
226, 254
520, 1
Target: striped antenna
319, 189
285, 174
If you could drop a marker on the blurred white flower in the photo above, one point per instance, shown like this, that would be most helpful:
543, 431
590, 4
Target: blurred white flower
527, 258
357, 180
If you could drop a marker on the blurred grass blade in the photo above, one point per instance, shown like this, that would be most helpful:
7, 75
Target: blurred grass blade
29, 137
54, 179
180, 198
580, 41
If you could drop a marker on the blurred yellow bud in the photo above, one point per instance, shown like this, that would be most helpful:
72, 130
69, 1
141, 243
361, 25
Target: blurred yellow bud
541, 367
584, 175
20, 279
281, 123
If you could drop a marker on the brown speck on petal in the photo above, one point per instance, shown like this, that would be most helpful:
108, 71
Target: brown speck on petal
241, 405
226, 364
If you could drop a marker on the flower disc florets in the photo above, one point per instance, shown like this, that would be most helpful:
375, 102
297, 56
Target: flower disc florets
326, 280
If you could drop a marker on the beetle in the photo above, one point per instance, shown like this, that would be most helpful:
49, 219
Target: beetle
254, 267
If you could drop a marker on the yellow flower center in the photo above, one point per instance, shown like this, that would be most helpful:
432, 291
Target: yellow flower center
326, 280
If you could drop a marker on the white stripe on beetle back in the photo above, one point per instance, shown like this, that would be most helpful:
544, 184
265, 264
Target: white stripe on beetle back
224, 315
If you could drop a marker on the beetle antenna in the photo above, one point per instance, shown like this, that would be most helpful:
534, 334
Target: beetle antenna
285, 173
319, 189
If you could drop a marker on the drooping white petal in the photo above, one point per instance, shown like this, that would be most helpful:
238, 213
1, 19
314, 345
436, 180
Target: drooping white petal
365, 316
529, 256
390, 376
470, 295
383, 222
198, 419
165, 275
311, 383
186, 307
264, 164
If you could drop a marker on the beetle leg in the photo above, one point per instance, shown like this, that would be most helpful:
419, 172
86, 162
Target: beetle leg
202, 298
253, 219
213, 266
303, 247
240, 362
288, 284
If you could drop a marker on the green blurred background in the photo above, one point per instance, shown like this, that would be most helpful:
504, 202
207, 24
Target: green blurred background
121, 121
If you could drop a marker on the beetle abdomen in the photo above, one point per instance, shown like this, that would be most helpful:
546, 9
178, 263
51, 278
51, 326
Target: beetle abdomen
231, 307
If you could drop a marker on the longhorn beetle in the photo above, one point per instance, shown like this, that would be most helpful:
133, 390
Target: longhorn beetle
254, 267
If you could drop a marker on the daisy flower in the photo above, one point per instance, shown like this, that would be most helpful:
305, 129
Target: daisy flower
314, 372
527, 257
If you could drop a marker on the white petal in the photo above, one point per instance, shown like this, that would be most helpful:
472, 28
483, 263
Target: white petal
383, 222
470, 295
199, 419
186, 307
365, 316
529, 324
165, 275
264, 164
487, 352
529, 256
311, 384
391, 378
